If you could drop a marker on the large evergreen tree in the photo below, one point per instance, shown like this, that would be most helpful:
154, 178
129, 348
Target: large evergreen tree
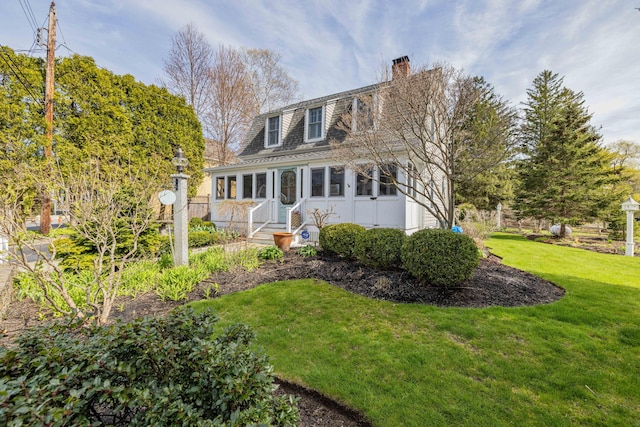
110, 119
565, 175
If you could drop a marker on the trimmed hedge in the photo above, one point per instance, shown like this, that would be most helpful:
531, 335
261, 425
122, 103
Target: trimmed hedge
440, 257
380, 247
340, 239
169, 371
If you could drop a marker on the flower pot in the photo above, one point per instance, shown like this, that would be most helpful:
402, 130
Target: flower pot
283, 240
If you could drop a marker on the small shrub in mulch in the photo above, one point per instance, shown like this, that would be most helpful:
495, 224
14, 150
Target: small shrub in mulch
440, 257
340, 239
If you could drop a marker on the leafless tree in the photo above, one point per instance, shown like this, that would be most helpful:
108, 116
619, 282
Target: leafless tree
232, 105
626, 154
425, 133
271, 86
187, 68
109, 212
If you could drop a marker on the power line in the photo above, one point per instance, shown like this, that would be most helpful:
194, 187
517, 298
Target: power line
15, 68
28, 12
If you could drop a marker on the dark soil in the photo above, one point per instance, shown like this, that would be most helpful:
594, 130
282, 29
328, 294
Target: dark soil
492, 284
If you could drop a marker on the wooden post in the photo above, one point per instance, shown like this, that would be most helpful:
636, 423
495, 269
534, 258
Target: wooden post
45, 213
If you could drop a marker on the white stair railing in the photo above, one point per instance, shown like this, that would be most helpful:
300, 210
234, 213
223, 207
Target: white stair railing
260, 215
297, 216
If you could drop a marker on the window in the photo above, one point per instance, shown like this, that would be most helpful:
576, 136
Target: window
220, 187
364, 184
314, 124
412, 180
317, 182
336, 181
247, 186
273, 131
261, 185
363, 117
388, 175
231, 187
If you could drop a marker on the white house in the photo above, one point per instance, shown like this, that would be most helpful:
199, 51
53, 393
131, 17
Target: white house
287, 169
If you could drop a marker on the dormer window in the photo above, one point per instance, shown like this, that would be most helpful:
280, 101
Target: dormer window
272, 134
315, 124
363, 117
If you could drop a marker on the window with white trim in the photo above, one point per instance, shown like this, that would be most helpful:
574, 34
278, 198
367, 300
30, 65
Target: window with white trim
336, 181
231, 187
364, 184
247, 186
272, 131
261, 185
220, 187
363, 117
317, 182
388, 175
314, 129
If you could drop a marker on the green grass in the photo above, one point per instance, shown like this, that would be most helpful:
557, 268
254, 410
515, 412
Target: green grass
573, 362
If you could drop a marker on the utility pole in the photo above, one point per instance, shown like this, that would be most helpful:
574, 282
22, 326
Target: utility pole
45, 213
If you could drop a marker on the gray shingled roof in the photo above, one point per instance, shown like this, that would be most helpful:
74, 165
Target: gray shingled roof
293, 141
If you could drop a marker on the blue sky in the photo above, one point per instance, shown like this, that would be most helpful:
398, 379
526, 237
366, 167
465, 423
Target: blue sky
335, 45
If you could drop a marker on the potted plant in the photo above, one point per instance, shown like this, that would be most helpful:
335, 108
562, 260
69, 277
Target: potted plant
282, 239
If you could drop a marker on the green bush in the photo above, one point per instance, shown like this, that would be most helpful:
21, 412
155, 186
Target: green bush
198, 239
177, 282
440, 257
169, 371
380, 247
307, 251
74, 254
340, 239
199, 222
270, 252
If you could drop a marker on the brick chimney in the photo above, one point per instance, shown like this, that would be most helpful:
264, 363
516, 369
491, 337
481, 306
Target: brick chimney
401, 67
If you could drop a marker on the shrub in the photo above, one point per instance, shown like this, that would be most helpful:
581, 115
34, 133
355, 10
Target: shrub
307, 251
173, 370
270, 252
199, 222
198, 239
380, 247
177, 282
440, 257
340, 239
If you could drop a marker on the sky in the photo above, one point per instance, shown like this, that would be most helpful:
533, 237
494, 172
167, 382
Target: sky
330, 46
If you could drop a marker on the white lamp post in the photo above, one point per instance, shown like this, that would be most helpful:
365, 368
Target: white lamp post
499, 219
630, 206
180, 210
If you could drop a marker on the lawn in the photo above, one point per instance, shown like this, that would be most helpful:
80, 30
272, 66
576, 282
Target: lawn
573, 362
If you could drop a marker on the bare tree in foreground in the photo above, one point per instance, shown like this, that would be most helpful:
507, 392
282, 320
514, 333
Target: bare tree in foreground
109, 212
427, 133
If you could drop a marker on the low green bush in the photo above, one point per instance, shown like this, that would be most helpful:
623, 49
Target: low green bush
440, 257
198, 239
167, 371
340, 239
380, 247
270, 253
176, 283
74, 254
307, 251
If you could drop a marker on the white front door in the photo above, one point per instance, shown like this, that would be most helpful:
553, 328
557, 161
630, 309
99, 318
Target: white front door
287, 180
